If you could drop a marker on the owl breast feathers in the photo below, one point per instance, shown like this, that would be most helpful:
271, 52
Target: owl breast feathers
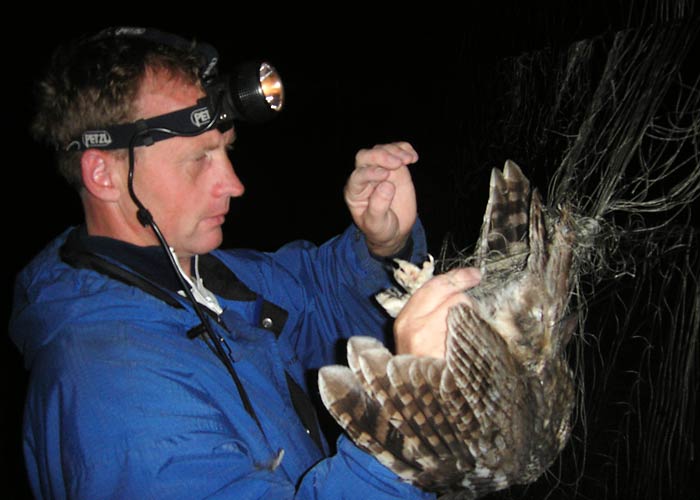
496, 411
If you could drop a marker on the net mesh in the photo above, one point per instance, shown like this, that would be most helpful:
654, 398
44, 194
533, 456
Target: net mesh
609, 126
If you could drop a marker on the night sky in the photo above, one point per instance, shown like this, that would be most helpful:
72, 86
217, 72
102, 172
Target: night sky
347, 88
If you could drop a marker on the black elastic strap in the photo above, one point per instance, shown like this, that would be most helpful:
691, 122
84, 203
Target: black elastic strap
188, 121
216, 346
86, 260
305, 410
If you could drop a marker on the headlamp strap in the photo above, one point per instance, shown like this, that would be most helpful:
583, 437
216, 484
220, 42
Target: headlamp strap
188, 121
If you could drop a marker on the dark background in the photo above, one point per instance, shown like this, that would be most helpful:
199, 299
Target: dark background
352, 80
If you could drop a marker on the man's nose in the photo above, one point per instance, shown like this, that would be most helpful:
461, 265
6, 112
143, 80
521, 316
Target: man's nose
228, 183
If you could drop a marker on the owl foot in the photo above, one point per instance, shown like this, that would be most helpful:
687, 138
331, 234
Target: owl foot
410, 277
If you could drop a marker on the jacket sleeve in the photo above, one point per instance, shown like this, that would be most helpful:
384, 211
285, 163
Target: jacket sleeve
352, 473
329, 292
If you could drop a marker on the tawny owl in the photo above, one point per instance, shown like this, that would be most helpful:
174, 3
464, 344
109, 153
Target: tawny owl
496, 412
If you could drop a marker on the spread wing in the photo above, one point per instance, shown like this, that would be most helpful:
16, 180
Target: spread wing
472, 423
419, 419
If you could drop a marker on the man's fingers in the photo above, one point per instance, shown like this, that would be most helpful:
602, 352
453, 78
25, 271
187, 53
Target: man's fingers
380, 201
439, 288
362, 181
391, 156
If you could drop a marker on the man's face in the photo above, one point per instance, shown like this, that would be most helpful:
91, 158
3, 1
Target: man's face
185, 182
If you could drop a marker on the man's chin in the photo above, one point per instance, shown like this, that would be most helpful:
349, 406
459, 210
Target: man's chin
209, 241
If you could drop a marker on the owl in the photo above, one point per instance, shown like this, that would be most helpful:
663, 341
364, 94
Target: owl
496, 411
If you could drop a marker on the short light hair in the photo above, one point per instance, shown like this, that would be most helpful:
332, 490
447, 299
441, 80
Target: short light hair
92, 83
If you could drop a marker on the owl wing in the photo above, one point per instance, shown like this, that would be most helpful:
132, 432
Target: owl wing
438, 428
460, 424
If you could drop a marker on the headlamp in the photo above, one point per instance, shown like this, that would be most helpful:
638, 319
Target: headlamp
253, 92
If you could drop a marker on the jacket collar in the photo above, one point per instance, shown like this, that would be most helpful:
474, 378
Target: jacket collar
149, 264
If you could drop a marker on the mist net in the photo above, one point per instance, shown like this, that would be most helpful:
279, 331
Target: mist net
609, 125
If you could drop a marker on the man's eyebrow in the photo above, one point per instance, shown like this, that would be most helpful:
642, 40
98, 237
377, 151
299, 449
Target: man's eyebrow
215, 143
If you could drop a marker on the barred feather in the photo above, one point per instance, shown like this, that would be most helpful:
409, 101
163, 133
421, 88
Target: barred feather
496, 411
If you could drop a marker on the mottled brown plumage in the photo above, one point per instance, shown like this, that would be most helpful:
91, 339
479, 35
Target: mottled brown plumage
496, 411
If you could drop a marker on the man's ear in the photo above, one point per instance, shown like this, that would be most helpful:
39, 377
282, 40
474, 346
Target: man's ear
101, 174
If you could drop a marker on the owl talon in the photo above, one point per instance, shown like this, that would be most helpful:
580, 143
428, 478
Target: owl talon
411, 278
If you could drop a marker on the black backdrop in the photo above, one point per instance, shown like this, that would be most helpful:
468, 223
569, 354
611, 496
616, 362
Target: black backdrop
349, 86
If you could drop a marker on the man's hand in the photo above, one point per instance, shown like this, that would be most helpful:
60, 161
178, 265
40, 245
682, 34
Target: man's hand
421, 326
381, 196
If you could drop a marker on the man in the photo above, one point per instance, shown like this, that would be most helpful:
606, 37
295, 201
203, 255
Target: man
181, 373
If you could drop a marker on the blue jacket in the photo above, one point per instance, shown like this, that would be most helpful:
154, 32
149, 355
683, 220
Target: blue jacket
122, 403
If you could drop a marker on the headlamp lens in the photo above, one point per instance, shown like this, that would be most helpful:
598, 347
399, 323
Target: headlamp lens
271, 86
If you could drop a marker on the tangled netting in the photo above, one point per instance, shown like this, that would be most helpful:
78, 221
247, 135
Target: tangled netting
610, 126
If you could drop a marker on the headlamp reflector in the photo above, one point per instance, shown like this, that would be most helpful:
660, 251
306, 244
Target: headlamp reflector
271, 86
